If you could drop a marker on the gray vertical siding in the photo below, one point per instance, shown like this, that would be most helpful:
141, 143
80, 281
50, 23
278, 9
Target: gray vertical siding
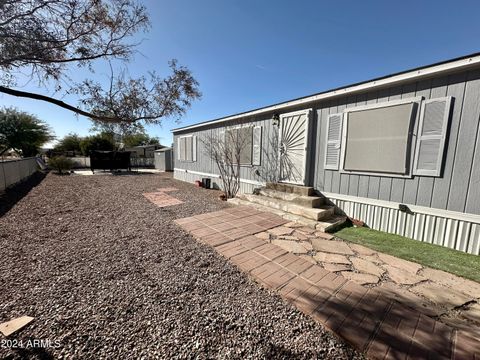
473, 194
458, 189
455, 88
205, 164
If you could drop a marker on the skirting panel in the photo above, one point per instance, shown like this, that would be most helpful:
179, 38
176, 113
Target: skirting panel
454, 233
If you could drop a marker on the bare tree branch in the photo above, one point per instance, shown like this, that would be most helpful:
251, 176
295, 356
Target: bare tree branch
226, 151
48, 36
34, 96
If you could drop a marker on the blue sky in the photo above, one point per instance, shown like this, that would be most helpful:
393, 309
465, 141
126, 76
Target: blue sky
247, 54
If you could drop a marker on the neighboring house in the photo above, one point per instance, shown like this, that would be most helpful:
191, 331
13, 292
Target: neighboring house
11, 154
145, 151
401, 152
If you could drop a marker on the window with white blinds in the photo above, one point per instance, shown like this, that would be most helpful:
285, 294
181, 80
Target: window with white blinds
378, 139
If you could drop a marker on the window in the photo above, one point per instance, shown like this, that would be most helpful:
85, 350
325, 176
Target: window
378, 139
187, 148
239, 144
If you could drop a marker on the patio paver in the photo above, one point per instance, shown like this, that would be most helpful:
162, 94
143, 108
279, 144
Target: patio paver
401, 276
382, 325
336, 267
161, 199
400, 263
331, 258
360, 278
441, 295
331, 246
466, 286
367, 267
294, 246
473, 312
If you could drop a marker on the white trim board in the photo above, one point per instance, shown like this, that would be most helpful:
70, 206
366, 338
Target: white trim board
196, 172
454, 65
383, 104
246, 181
414, 208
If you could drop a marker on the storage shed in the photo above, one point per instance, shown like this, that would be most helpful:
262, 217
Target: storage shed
164, 159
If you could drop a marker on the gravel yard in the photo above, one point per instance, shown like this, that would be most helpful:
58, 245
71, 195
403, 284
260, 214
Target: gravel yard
107, 274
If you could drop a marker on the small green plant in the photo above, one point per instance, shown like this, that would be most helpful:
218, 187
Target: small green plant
60, 163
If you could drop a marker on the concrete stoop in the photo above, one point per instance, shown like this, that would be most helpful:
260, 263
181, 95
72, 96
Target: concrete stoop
294, 203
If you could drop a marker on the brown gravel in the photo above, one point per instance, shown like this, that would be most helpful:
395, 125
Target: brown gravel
107, 274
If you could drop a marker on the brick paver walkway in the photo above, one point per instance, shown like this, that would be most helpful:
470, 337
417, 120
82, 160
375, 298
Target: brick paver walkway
451, 299
377, 325
161, 198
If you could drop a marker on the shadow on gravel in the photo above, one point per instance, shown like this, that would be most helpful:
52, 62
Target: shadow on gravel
133, 173
280, 352
15, 193
34, 353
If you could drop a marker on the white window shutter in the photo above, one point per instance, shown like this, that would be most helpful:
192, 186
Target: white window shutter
333, 141
257, 145
179, 149
188, 147
194, 148
432, 131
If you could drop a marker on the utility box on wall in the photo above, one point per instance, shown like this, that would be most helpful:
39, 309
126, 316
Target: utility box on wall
164, 159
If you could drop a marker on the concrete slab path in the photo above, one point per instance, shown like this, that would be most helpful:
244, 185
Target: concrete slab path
383, 327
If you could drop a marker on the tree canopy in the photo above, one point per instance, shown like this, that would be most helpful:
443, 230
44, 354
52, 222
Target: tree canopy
137, 139
46, 38
100, 141
23, 132
70, 142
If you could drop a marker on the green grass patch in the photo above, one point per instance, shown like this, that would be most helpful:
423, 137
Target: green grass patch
434, 256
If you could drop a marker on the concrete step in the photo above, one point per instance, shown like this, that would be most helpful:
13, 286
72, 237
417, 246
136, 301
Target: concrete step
331, 224
307, 201
287, 216
317, 214
289, 188
327, 225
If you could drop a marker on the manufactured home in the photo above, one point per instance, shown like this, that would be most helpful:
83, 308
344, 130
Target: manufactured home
400, 152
